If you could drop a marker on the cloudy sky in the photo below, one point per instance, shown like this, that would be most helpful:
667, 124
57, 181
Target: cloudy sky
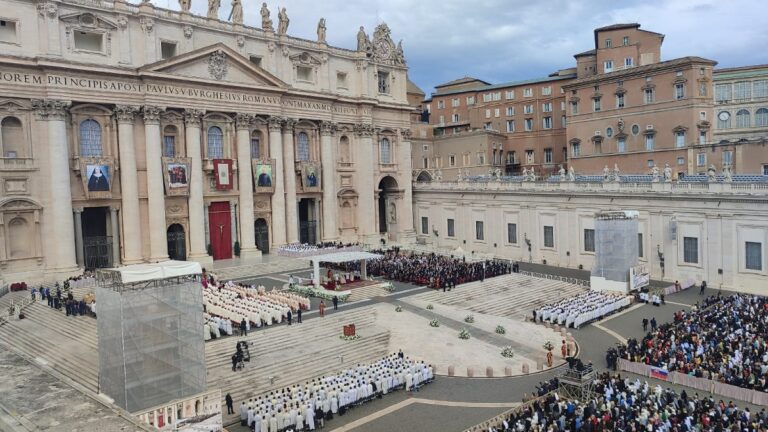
508, 40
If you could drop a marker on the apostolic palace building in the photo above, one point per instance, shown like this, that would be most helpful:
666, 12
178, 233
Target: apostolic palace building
132, 133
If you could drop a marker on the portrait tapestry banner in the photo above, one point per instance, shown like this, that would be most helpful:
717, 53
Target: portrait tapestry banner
176, 172
264, 175
222, 170
97, 175
310, 176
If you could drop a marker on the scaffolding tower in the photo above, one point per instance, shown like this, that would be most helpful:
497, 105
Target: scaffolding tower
577, 381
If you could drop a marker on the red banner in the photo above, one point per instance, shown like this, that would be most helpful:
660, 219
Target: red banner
222, 170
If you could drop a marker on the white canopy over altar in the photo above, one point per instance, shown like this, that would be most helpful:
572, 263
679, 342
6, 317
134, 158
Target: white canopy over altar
339, 258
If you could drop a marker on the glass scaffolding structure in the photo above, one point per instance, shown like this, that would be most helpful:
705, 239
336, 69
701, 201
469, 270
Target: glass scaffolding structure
615, 245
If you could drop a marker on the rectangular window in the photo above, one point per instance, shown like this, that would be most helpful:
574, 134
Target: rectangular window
452, 160
589, 240
547, 122
548, 155
510, 111
608, 43
628, 62
620, 101
760, 89
442, 119
455, 118
424, 225
640, 245
598, 147
648, 95
563, 121
701, 159
722, 92
479, 230
528, 92
702, 137
440, 104
549, 236
496, 96
425, 163
754, 256
650, 163
341, 79
681, 161
383, 82
167, 49
510, 125
679, 91
680, 139
488, 126
169, 146
528, 109
481, 158
546, 107
487, 113
546, 91
625, 40
621, 145
608, 66
88, 41
529, 156
8, 31
575, 150
574, 108
691, 250
742, 90
529, 124
451, 228
496, 112
509, 94
455, 102
486, 97
649, 142
305, 74
470, 100
255, 148
562, 105
512, 233
765, 170
596, 106
727, 157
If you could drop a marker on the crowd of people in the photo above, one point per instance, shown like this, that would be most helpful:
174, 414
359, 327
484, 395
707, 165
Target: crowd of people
622, 404
298, 250
580, 309
435, 271
308, 406
724, 340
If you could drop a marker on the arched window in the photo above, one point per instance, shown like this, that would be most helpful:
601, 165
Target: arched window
90, 138
255, 145
215, 143
302, 144
344, 153
19, 237
385, 151
12, 138
742, 119
761, 117
169, 141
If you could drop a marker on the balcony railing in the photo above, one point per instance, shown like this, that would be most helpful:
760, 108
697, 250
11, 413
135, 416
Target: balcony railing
17, 164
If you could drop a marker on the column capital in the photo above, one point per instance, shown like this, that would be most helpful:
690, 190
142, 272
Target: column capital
114, 208
243, 121
289, 124
152, 114
47, 9
193, 117
328, 128
406, 134
364, 130
50, 109
77, 209
125, 113
275, 124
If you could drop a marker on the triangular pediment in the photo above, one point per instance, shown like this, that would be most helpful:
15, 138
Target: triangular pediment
214, 63
88, 20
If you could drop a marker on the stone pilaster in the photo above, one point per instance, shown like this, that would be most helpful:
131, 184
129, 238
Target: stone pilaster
329, 204
158, 244
289, 166
197, 209
405, 215
278, 198
364, 170
129, 185
245, 183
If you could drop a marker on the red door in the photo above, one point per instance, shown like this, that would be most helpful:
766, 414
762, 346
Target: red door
220, 226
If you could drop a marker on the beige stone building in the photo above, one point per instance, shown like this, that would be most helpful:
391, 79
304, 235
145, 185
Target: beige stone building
132, 133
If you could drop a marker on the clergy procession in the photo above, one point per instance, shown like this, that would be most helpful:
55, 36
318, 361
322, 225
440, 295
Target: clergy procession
581, 309
300, 250
308, 406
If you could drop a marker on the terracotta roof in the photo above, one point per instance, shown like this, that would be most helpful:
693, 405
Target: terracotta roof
465, 80
586, 53
640, 70
411, 87
617, 27
503, 85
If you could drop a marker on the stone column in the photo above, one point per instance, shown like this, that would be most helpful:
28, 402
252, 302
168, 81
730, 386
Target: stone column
79, 236
129, 184
115, 236
278, 198
366, 215
197, 246
289, 166
328, 159
158, 243
404, 213
245, 183
59, 212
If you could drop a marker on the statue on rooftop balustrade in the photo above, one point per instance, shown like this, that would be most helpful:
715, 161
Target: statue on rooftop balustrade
213, 8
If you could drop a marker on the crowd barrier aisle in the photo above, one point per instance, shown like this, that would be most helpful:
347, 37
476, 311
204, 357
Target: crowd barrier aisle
684, 286
715, 387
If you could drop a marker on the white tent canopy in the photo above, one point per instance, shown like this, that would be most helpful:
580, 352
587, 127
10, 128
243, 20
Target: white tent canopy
162, 270
339, 258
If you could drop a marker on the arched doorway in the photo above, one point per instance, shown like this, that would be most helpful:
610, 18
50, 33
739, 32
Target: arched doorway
424, 177
262, 235
177, 242
387, 207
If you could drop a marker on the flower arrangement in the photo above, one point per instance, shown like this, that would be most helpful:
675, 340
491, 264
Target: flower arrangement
548, 346
430, 307
389, 287
469, 319
434, 323
319, 293
507, 352
398, 308
500, 329
350, 338
464, 334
